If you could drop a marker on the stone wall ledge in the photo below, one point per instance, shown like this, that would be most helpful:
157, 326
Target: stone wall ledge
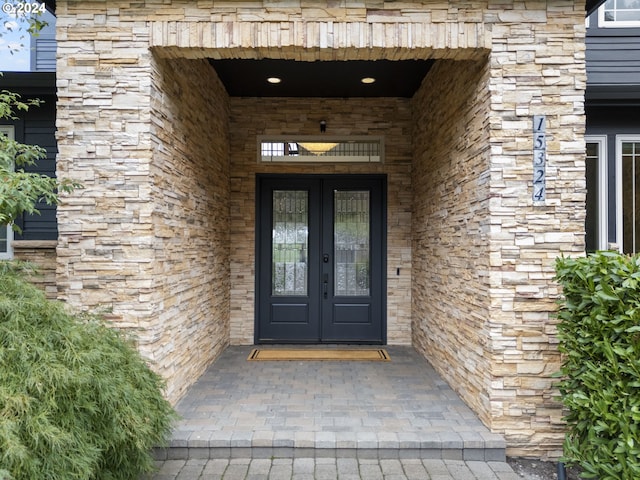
33, 244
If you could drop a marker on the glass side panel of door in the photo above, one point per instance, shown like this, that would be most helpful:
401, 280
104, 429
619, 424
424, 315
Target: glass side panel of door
351, 243
290, 244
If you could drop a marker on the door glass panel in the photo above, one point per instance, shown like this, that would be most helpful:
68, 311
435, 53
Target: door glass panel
630, 196
351, 243
290, 242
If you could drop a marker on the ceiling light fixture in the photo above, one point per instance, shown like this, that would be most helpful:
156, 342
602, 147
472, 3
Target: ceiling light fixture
274, 80
319, 148
368, 80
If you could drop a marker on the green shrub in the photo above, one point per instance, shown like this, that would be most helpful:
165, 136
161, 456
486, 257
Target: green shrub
599, 334
76, 399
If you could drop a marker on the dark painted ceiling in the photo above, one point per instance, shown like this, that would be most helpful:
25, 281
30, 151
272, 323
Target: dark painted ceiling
248, 78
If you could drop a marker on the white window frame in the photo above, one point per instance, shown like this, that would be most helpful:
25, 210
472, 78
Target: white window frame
620, 139
603, 222
9, 131
616, 23
276, 140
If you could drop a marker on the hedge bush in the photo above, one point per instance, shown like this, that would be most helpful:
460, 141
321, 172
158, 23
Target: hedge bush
76, 399
599, 334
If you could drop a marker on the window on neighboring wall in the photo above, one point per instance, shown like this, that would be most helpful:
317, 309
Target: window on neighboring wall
6, 232
628, 193
596, 176
620, 13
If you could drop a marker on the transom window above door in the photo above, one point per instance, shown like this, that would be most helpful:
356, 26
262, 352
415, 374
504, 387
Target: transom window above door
320, 149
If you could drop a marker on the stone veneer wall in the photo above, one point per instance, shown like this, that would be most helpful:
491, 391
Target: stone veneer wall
451, 228
389, 117
41, 253
190, 178
531, 58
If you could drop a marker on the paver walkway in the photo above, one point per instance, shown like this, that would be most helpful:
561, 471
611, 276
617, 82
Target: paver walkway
332, 469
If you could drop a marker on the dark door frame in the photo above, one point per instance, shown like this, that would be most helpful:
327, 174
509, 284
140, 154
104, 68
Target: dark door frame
258, 246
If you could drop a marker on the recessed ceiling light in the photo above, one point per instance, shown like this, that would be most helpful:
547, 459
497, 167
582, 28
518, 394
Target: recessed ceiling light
274, 80
368, 80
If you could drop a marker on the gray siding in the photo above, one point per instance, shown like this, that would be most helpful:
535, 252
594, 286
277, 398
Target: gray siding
37, 127
44, 54
43, 46
613, 60
613, 55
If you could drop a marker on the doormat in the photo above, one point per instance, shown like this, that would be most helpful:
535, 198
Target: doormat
328, 354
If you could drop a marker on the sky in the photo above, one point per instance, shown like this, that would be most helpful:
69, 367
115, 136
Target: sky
11, 40
15, 42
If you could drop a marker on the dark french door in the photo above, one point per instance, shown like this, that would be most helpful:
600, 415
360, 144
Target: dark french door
321, 259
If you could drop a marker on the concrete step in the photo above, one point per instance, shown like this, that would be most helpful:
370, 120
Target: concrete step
466, 446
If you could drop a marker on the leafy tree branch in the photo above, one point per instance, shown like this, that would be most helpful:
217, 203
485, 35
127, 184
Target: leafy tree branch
21, 191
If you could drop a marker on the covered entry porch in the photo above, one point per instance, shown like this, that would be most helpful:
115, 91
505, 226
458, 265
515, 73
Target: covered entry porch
163, 234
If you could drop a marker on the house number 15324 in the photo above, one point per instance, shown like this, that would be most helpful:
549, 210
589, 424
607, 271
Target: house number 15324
539, 158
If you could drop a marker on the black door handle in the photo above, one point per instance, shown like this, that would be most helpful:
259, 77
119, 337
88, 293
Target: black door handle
325, 285
325, 258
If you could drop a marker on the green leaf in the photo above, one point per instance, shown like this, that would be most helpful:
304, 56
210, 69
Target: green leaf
607, 296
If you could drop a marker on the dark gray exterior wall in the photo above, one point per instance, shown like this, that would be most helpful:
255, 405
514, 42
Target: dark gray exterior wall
613, 93
36, 127
613, 55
